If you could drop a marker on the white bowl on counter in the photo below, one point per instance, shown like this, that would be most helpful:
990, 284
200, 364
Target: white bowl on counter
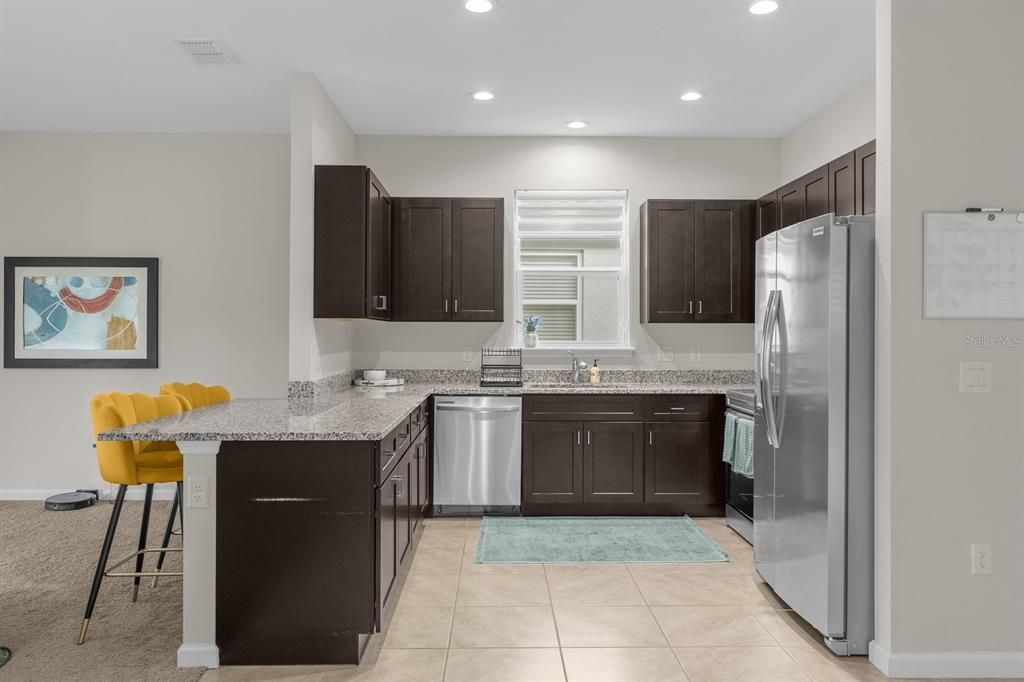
374, 374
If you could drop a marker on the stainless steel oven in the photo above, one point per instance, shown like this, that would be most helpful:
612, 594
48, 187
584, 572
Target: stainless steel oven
739, 489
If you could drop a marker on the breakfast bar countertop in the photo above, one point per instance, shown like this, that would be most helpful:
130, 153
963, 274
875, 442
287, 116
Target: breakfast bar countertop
359, 414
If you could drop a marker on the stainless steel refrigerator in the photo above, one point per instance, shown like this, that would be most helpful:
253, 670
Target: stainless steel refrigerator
814, 423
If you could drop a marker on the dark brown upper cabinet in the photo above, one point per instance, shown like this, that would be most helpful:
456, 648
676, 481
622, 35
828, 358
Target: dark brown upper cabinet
697, 260
450, 259
352, 216
806, 197
841, 189
864, 179
767, 214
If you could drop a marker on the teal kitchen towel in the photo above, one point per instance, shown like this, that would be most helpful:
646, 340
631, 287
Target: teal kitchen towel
743, 457
729, 449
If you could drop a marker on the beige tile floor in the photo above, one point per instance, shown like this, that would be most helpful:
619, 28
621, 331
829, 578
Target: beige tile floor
457, 621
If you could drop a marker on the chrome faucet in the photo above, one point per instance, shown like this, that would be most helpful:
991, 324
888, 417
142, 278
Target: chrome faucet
578, 368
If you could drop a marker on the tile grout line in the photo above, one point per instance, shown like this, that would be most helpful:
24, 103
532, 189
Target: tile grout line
554, 622
664, 634
455, 603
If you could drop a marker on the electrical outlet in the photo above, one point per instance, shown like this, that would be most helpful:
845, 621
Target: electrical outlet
665, 354
981, 558
696, 353
975, 377
198, 487
468, 353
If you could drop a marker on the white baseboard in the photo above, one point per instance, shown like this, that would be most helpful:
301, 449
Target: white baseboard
198, 656
163, 491
958, 664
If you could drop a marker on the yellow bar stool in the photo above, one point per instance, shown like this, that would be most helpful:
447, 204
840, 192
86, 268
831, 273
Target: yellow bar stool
128, 463
196, 395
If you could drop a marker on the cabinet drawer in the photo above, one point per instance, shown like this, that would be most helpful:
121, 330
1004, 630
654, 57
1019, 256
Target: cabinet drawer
582, 407
676, 408
393, 445
420, 416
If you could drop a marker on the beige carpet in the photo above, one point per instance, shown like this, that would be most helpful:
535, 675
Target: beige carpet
47, 561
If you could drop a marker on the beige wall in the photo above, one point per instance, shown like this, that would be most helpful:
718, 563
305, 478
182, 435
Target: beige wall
213, 208
950, 465
497, 166
843, 125
319, 135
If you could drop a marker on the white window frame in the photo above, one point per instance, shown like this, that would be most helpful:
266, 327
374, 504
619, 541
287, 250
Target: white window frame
624, 346
578, 303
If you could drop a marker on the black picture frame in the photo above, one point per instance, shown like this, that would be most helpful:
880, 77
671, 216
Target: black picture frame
151, 361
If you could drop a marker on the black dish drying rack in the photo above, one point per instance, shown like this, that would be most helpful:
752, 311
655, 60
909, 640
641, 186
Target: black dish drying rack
501, 367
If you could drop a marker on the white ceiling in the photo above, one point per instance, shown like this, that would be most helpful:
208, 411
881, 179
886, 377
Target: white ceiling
408, 66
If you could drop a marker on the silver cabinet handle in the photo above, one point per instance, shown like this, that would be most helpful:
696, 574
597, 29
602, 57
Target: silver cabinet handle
383, 302
399, 482
691, 307
678, 409
700, 307
446, 305
588, 437
650, 437
456, 305
578, 438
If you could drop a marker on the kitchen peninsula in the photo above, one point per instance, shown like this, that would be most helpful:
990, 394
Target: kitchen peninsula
302, 515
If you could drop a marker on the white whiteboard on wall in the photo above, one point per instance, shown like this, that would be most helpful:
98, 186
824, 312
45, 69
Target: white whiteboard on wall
974, 265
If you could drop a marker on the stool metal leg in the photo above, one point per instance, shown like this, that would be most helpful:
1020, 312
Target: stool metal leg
143, 531
167, 534
101, 565
181, 506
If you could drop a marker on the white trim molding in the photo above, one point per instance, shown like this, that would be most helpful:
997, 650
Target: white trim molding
955, 664
107, 492
198, 656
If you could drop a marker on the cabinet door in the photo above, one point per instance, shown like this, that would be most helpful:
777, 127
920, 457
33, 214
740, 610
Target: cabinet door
552, 462
841, 190
722, 238
613, 462
478, 231
379, 300
791, 204
815, 192
423, 472
668, 230
387, 523
767, 214
678, 463
424, 262
864, 179
403, 509
415, 503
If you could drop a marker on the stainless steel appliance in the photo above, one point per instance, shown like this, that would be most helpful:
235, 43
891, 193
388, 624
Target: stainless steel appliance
814, 423
477, 454
739, 489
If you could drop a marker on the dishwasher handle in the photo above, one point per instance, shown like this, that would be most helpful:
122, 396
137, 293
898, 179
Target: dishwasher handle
478, 410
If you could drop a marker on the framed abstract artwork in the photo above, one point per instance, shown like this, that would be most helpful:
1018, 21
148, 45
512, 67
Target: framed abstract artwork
80, 312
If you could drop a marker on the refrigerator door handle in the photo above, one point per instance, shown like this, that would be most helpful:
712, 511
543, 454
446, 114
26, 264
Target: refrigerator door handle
772, 319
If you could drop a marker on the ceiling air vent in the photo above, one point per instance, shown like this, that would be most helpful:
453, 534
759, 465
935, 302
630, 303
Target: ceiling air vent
208, 52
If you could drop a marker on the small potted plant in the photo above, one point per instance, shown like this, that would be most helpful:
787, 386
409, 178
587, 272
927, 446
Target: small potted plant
531, 324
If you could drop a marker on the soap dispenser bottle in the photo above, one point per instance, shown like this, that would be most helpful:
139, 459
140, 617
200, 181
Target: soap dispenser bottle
595, 373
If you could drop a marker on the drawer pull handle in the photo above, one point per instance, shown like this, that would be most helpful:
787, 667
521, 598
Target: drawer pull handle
678, 409
650, 437
578, 437
588, 437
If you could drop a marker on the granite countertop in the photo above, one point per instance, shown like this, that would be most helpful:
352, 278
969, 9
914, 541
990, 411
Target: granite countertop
351, 413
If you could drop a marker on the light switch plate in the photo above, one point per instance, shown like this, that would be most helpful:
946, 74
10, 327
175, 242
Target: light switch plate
696, 353
665, 354
975, 377
467, 354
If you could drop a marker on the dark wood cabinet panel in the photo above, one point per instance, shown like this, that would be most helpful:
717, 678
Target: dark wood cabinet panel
815, 191
379, 302
682, 408
677, 462
864, 178
841, 190
667, 248
723, 252
576, 407
478, 231
425, 261
422, 461
791, 204
767, 214
613, 462
402, 476
387, 550
552, 462
341, 241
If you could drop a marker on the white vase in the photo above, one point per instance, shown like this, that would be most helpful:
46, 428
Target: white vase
530, 339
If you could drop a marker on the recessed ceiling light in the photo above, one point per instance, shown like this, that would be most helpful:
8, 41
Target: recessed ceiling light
691, 96
760, 7
483, 95
577, 125
479, 6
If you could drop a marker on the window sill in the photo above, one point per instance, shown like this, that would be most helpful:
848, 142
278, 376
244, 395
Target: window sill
599, 351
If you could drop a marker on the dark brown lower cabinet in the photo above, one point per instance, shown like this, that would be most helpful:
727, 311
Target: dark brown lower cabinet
613, 462
552, 462
593, 465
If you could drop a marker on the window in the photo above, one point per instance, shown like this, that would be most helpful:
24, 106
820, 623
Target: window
571, 266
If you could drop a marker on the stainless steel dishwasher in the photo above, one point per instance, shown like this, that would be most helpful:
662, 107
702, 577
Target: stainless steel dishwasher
477, 454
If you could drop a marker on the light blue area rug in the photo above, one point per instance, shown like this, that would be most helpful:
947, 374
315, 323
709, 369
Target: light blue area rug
594, 539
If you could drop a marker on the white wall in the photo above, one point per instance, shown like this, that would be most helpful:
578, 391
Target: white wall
213, 208
950, 466
319, 135
497, 166
843, 125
